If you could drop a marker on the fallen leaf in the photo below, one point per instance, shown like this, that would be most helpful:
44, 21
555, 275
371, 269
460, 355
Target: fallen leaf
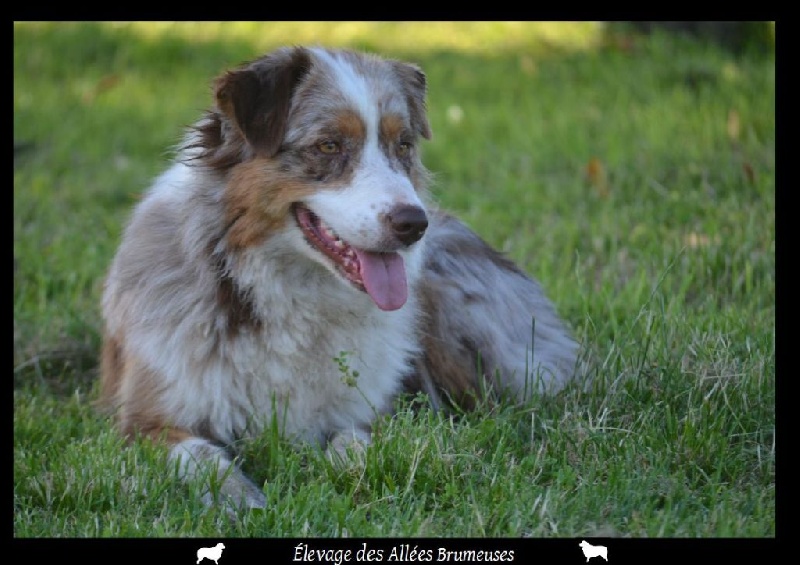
596, 175
749, 173
104, 84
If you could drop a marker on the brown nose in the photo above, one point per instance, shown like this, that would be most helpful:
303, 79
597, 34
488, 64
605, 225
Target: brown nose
408, 223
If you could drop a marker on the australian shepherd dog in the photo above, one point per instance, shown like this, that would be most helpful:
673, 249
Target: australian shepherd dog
289, 267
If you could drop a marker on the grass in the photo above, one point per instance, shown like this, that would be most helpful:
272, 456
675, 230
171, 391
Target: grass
633, 176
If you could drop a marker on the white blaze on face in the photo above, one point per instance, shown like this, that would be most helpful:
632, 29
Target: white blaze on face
356, 212
353, 86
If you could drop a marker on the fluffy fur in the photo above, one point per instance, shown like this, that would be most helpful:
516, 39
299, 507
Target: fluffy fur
292, 234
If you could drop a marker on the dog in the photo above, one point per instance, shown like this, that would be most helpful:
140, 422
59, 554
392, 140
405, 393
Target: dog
290, 267
211, 553
590, 550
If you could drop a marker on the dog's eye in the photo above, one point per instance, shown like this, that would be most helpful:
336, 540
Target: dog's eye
403, 148
328, 147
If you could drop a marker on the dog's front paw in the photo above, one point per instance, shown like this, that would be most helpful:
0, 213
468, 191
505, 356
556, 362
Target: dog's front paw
239, 491
223, 481
348, 447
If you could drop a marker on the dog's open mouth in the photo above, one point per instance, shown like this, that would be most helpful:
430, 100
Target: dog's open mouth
380, 274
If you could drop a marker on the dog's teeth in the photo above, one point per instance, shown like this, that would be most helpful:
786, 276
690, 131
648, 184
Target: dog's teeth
338, 244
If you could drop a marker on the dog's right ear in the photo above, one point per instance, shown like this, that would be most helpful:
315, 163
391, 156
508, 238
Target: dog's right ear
415, 85
257, 97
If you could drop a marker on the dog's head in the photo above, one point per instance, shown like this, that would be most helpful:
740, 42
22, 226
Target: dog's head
320, 147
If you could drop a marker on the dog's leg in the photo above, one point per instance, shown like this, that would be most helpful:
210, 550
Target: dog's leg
489, 328
348, 445
224, 482
127, 386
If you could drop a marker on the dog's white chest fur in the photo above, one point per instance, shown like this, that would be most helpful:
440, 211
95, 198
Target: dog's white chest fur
314, 374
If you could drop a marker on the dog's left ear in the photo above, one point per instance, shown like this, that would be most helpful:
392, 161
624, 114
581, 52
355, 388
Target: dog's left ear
257, 97
415, 85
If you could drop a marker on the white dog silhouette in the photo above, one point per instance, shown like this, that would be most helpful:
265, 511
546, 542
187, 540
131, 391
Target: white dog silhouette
210, 553
590, 550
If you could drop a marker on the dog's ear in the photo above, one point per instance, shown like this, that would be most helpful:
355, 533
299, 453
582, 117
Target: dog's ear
415, 86
257, 97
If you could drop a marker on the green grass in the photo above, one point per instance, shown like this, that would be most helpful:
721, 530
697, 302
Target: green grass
634, 176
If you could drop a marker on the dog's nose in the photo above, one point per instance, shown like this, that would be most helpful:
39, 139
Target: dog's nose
408, 223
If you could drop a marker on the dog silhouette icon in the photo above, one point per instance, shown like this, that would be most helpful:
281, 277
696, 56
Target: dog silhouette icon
590, 550
210, 553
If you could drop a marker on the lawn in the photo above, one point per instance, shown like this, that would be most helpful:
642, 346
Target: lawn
633, 175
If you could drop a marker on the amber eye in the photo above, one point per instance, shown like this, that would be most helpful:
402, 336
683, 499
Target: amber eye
403, 148
328, 147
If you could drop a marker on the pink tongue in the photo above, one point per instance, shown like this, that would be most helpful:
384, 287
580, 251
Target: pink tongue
384, 277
